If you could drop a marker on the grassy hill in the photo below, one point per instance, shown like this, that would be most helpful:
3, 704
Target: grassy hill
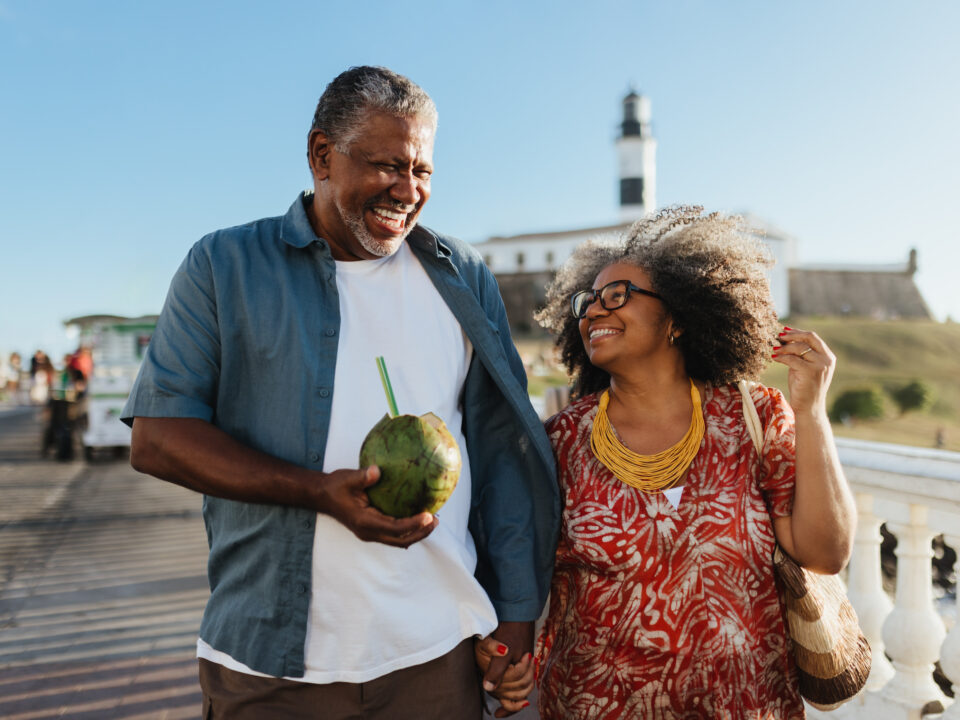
885, 356
870, 354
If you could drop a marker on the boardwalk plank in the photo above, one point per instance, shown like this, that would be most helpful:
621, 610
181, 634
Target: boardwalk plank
102, 585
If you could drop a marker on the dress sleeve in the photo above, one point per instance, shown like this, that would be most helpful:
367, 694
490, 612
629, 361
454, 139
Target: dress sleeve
778, 456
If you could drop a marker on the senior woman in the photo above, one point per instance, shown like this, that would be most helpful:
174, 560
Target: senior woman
663, 602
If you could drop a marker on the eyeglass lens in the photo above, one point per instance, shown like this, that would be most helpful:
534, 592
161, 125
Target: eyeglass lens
612, 296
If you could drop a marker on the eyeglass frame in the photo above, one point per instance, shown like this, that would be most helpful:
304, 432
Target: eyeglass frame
597, 294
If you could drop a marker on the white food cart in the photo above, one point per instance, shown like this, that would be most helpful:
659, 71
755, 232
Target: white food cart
117, 344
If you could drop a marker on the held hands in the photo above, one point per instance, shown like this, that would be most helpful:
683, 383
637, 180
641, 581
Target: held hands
507, 669
811, 366
342, 495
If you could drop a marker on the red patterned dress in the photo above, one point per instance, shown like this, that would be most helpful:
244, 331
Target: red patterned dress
663, 613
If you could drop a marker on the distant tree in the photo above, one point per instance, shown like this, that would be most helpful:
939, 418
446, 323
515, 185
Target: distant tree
861, 404
915, 395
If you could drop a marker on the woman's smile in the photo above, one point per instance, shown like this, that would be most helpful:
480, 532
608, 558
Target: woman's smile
599, 334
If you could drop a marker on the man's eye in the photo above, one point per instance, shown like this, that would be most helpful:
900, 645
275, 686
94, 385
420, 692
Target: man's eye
423, 174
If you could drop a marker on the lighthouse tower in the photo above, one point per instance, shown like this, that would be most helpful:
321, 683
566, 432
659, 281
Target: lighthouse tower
637, 152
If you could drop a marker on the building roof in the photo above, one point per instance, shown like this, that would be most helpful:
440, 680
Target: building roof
558, 234
875, 293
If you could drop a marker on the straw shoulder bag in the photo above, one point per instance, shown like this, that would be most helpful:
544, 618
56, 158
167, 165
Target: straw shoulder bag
831, 654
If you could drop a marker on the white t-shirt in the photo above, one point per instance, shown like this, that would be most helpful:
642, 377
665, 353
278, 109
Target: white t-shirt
375, 608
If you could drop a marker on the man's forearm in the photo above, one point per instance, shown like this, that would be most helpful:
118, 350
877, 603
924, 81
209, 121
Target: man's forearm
200, 456
197, 455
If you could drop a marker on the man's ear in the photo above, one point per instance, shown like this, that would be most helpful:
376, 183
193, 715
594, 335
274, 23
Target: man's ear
319, 149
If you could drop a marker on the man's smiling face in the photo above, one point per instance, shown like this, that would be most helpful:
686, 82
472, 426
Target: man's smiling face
369, 197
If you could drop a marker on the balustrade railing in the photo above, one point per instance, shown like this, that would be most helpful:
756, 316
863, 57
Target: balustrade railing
916, 492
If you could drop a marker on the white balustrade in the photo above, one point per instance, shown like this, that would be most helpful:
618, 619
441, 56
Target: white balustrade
916, 492
913, 632
950, 650
865, 588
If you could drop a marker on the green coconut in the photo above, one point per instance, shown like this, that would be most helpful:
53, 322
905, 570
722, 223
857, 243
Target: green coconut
419, 463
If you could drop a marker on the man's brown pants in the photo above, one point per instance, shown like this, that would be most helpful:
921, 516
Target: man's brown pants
447, 688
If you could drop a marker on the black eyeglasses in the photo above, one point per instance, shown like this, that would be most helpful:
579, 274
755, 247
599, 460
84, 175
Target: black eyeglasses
613, 295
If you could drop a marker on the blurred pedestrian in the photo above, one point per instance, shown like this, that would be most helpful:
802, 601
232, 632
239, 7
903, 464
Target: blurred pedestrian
14, 369
5, 376
41, 378
82, 362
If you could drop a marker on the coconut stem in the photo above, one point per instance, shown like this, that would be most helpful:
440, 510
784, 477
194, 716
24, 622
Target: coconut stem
387, 387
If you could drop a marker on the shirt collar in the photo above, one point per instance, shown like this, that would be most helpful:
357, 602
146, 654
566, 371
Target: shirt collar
425, 240
295, 228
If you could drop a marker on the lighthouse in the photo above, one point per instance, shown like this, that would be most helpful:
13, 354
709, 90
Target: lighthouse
637, 151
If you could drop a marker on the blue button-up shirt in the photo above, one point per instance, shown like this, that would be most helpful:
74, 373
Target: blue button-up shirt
247, 340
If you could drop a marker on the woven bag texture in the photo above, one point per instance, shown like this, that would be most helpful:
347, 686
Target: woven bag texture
832, 656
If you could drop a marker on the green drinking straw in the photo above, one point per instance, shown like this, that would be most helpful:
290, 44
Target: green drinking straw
387, 387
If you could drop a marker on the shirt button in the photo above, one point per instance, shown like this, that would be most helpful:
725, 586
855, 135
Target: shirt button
324, 392
306, 524
301, 589
314, 457
329, 332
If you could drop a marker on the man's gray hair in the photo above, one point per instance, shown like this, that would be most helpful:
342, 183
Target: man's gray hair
351, 95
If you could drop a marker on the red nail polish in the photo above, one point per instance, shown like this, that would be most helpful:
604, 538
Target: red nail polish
526, 703
501, 649
774, 355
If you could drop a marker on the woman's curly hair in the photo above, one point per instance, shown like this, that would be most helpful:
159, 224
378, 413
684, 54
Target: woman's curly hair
710, 271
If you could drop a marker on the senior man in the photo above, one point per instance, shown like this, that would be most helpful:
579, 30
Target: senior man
257, 390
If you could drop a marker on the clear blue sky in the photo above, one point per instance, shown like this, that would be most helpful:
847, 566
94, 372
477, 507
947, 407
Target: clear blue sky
130, 129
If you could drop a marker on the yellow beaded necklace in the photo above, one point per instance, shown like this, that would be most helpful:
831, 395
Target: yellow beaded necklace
647, 473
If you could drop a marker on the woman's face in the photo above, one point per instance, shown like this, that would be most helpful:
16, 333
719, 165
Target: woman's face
616, 339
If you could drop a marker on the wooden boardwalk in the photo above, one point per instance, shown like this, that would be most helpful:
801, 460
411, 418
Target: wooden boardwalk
102, 583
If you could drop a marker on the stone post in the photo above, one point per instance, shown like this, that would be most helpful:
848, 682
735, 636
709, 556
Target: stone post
865, 589
913, 631
950, 650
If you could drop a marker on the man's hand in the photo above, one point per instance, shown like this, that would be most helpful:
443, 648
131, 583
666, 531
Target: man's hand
342, 495
505, 658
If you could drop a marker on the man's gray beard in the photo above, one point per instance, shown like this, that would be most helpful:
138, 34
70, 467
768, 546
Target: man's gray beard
367, 241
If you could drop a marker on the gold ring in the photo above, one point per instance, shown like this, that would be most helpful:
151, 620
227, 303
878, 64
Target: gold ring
805, 352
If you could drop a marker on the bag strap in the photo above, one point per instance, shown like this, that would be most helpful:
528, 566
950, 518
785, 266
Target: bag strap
750, 415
